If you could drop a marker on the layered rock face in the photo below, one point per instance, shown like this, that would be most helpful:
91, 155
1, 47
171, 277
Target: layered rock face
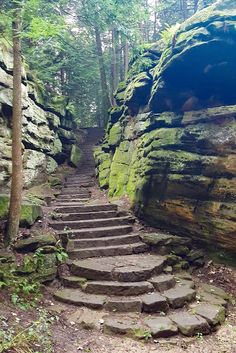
170, 141
47, 136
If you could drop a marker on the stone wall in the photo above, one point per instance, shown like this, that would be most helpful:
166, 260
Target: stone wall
47, 131
170, 142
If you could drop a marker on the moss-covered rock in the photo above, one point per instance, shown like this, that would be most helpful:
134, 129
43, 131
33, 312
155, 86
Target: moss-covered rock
75, 156
30, 212
115, 135
35, 241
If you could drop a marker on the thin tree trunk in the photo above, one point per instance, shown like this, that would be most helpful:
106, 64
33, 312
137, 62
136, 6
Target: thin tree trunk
155, 22
184, 9
17, 168
98, 110
104, 86
121, 63
115, 59
196, 5
126, 57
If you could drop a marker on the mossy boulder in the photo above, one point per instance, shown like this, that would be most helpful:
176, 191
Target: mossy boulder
47, 268
30, 212
34, 242
115, 135
75, 156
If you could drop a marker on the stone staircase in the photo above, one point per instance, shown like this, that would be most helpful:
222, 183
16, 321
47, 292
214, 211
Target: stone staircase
112, 270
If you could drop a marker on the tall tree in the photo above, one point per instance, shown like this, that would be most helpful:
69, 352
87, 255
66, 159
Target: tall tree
17, 171
103, 76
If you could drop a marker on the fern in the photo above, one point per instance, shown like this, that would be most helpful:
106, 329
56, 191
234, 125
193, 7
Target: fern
169, 32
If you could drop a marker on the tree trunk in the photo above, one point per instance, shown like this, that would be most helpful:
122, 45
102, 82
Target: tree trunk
196, 5
126, 57
17, 168
104, 86
184, 9
155, 22
115, 59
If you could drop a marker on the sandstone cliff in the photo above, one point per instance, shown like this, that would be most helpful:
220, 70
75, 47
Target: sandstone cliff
170, 141
47, 131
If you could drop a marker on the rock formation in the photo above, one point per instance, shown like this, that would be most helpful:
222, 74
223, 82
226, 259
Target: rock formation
170, 141
47, 131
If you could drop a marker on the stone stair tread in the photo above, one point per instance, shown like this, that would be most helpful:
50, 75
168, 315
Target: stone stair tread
85, 223
93, 230
190, 324
118, 288
155, 302
163, 282
178, 296
74, 196
161, 327
127, 249
105, 241
72, 200
86, 208
66, 204
88, 215
79, 298
125, 268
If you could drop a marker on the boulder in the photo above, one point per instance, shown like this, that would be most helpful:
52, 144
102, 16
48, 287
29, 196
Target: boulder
30, 211
75, 156
35, 242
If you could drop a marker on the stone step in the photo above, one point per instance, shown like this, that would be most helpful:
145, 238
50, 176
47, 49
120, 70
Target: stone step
62, 203
73, 281
71, 200
118, 288
92, 223
163, 282
73, 191
80, 179
86, 208
77, 297
101, 242
86, 184
88, 215
81, 195
114, 250
179, 296
130, 268
97, 232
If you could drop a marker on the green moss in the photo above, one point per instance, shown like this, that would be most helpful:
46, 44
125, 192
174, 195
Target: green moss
30, 213
75, 155
28, 266
115, 135
4, 204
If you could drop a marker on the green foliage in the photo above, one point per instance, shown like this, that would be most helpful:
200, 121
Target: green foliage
141, 64
60, 252
142, 334
24, 292
35, 338
169, 32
